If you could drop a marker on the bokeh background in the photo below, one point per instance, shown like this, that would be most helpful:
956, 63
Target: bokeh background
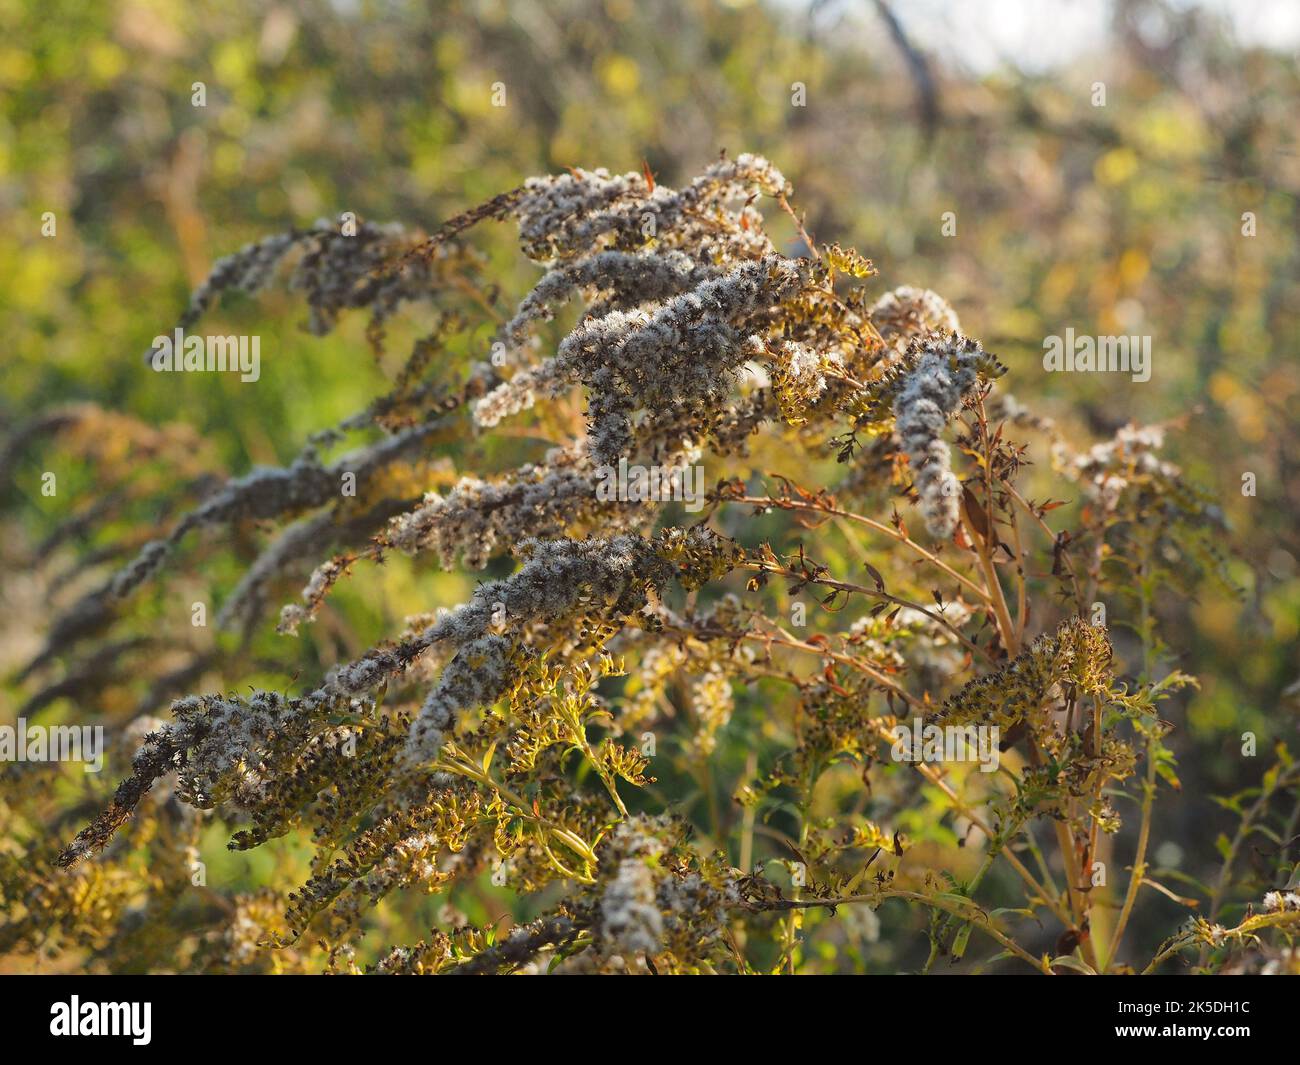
1125, 218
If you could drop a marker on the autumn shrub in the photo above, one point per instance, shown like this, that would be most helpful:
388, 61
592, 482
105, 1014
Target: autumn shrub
790, 610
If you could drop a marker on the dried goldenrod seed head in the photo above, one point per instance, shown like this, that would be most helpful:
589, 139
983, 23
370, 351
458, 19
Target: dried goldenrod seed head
939, 372
908, 312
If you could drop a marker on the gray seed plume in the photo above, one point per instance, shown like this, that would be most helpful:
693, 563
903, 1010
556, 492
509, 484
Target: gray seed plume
944, 370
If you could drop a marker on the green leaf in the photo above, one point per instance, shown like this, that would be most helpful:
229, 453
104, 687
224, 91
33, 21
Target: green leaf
961, 940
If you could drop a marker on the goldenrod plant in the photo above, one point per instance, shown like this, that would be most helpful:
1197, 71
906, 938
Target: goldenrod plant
921, 617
